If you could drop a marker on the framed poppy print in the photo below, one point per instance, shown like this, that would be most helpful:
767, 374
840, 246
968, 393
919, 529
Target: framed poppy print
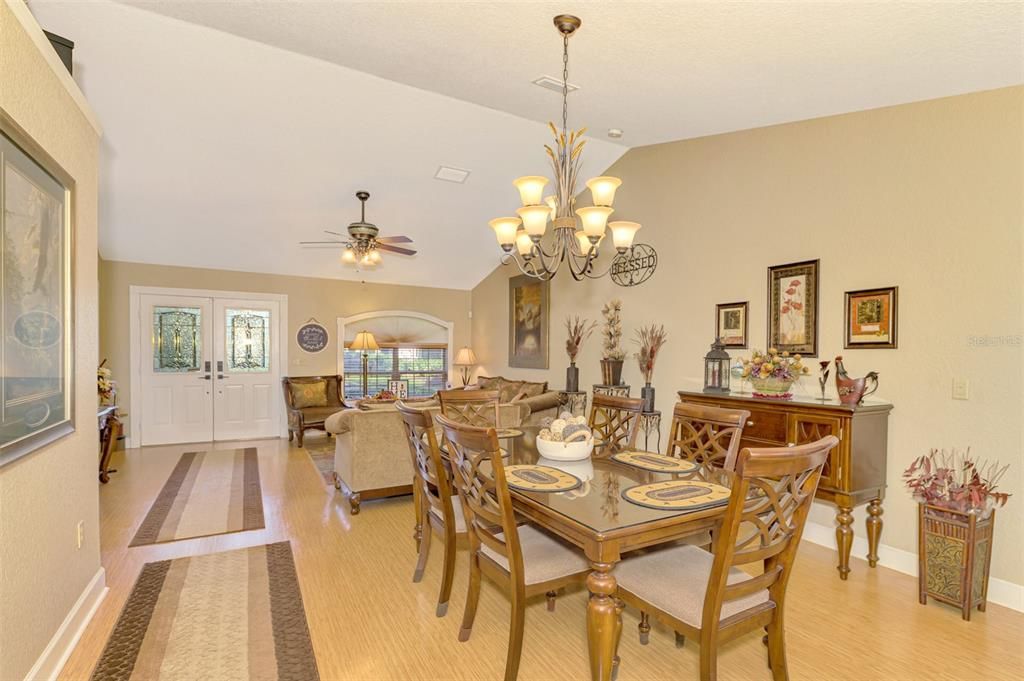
793, 308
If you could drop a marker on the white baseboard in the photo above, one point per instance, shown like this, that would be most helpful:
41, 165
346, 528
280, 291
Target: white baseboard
57, 651
1000, 591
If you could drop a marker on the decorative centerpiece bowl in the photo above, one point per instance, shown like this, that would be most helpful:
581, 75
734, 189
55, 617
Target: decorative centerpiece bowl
565, 451
778, 388
566, 438
773, 374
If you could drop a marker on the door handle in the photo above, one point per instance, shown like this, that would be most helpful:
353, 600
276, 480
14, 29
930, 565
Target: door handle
222, 377
205, 378
206, 368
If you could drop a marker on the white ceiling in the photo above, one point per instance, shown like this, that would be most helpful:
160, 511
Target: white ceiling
225, 151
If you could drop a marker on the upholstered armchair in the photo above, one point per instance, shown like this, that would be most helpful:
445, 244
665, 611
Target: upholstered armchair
309, 400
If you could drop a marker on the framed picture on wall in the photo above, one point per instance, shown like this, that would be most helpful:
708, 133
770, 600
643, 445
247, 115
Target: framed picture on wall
871, 318
37, 369
793, 308
731, 324
528, 322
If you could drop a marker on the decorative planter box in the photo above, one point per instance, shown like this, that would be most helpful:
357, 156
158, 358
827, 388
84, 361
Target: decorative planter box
954, 555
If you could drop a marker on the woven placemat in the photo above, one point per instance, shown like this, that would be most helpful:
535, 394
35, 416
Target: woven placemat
676, 495
533, 478
652, 461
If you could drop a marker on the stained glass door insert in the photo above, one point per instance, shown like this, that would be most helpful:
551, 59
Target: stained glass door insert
247, 340
177, 339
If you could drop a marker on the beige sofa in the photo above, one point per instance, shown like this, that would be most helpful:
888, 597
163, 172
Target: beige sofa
371, 454
531, 394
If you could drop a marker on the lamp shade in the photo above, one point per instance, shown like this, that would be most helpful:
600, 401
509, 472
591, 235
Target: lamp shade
602, 190
364, 341
524, 244
348, 255
595, 219
465, 357
505, 230
535, 219
374, 256
584, 241
623, 233
531, 189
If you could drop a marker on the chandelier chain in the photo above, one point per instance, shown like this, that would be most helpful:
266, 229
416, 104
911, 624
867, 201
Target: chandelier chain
565, 83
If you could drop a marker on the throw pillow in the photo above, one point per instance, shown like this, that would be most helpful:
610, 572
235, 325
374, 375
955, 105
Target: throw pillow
531, 389
489, 382
509, 389
309, 394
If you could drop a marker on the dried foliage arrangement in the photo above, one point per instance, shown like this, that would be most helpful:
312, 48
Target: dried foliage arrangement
956, 481
565, 165
579, 330
611, 332
650, 339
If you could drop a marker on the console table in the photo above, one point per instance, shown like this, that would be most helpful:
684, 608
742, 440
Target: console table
110, 429
854, 473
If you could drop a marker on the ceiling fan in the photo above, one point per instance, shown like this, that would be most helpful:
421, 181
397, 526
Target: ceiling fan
362, 245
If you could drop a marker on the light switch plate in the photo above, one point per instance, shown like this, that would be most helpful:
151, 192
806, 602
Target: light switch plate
961, 388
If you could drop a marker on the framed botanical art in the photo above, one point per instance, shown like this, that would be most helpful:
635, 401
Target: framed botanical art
731, 324
871, 320
528, 320
793, 308
36, 373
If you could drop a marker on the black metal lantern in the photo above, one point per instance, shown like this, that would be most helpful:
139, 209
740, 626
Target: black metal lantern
716, 369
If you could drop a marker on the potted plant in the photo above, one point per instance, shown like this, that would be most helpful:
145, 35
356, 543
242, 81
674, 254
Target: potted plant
650, 339
579, 330
773, 374
957, 497
611, 341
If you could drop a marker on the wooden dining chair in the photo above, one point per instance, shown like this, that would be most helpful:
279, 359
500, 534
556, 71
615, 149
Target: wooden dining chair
707, 596
437, 506
522, 559
707, 436
478, 408
615, 421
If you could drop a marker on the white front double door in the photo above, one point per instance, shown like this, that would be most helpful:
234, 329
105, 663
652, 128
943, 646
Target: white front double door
210, 369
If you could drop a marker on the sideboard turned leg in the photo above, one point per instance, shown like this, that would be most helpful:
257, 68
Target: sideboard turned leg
874, 527
844, 539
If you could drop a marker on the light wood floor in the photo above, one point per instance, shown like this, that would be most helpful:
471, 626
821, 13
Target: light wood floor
370, 622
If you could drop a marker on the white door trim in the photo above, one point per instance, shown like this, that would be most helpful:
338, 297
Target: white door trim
135, 360
345, 321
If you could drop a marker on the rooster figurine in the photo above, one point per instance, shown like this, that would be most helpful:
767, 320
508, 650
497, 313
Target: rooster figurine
853, 390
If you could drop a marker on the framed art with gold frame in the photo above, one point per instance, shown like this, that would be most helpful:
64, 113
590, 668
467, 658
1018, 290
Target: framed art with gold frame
528, 322
793, 308
871, 318
731, 324
36, 305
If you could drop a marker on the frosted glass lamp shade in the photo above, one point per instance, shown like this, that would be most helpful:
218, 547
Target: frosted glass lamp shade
465, 357
584, 240
505, 230
602, 190
374, 256
348, 255
524, 244
364, 341
623, 233
531, 189
595, 219
535, 218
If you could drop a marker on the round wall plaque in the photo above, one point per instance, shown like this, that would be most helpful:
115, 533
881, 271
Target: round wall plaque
312, 337
635, 266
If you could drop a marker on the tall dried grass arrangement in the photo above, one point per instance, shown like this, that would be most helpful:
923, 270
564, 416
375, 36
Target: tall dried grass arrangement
650, 339
611, 331
579, 330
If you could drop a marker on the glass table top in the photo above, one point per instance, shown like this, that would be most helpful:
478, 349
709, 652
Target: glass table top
598, 502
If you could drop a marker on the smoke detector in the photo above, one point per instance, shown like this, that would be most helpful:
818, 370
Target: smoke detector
554, 84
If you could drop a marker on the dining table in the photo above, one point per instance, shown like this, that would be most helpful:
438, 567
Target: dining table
599, 520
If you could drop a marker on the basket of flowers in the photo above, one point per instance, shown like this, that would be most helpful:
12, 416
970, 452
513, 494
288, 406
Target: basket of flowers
773, 373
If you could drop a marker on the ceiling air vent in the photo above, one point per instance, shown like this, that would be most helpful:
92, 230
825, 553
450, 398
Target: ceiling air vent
449, 174
549, 83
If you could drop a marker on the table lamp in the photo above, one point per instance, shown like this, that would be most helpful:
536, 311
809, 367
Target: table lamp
467, 360
364, 341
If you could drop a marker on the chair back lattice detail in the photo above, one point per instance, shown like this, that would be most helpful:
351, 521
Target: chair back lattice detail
615, 421
707, 436
431, 475
477, 408
479, 476
772, 491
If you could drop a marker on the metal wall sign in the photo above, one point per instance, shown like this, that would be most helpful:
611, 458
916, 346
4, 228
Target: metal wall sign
312, 336
635, 266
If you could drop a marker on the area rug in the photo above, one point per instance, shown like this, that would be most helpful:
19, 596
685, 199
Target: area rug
321, 453
230, 615
214, 492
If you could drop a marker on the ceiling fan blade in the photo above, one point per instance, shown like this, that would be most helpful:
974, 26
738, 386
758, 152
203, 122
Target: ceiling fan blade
394, 240
327, 231
321, 243
395, 249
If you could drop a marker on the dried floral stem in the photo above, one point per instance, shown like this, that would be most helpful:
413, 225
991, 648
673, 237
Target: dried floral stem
611, 332
579, 330
650, 339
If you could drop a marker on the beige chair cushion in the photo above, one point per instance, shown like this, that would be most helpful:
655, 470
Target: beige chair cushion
676, 579
317, 414
460, 520
544, 557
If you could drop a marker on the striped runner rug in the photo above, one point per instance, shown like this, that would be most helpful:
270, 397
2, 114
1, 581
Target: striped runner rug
229, 615
213, 492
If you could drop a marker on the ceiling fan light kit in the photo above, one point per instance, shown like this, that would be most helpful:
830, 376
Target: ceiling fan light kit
364, 243
578, 232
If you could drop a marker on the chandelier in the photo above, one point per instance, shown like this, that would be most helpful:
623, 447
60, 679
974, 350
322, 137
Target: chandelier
577, 232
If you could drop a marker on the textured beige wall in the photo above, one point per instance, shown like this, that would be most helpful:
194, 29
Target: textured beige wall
325, 299
926, 196
43, 495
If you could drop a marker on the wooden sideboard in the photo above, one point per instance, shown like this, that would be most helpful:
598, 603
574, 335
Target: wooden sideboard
855, 471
